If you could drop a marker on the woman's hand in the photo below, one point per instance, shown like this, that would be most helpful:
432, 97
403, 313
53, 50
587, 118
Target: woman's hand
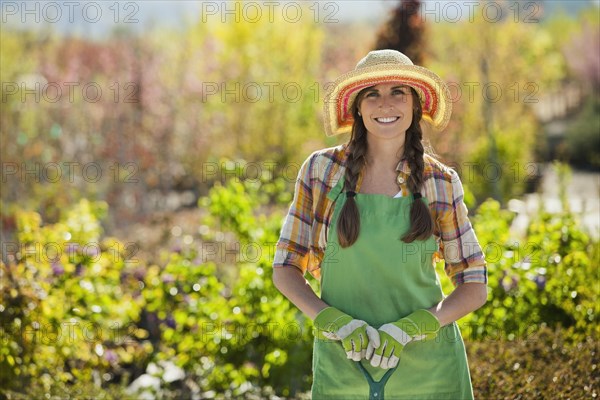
466, 298
419, 325
359, 340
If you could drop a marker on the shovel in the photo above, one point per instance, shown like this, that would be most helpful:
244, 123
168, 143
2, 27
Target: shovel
376, 387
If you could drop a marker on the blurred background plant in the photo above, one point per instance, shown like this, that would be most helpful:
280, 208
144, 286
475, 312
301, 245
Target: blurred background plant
545, 277
139, 226
212, 318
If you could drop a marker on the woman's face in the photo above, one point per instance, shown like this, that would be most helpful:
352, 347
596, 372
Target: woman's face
387, 109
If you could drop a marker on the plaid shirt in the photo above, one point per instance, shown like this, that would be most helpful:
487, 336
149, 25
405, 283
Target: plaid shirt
303, 237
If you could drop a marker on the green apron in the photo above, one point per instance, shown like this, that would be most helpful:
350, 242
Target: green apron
380, 279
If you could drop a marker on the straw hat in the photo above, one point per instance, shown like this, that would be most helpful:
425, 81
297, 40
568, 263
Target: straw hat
382, 66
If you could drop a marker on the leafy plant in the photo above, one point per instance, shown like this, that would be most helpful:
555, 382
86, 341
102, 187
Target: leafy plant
546, 277
212, 309
65, 307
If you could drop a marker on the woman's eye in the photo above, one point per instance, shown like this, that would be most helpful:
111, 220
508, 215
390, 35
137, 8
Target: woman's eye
394, 92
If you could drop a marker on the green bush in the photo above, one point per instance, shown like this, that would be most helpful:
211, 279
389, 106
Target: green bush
212, 310
273, 338
211, 307
582, 140
545, 277
64, 305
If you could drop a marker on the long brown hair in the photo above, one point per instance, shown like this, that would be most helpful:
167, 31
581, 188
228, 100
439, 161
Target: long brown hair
421, 222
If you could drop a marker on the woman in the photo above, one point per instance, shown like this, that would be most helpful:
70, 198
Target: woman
369, 218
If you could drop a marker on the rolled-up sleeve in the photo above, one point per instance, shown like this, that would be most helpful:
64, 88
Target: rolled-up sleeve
293, 246
464, 258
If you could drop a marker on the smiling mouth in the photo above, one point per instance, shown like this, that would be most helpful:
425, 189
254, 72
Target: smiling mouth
387, 120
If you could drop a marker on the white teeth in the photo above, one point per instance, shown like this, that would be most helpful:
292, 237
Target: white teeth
386, 120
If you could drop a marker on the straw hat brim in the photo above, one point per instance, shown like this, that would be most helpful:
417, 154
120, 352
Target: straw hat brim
433, 92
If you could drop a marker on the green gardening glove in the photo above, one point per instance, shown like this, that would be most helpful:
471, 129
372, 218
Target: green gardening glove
394, 336
359, 340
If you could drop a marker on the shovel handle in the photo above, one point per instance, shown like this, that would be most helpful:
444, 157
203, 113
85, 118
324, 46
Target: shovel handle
376, 388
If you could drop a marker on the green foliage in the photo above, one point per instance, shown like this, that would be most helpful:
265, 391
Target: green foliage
64, 304
60, 390
546, 277
89, 311
212, 308
583, 140
244, 89
270, 75
80, 317
493, 71
231, 202
271, 339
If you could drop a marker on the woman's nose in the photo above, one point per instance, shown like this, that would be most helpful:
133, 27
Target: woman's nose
385, 102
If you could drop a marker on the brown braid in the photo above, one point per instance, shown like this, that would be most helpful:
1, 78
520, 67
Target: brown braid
348, 226
421, 222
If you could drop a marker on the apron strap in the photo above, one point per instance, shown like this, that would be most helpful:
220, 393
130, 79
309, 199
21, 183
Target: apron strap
376, 389
336, 189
